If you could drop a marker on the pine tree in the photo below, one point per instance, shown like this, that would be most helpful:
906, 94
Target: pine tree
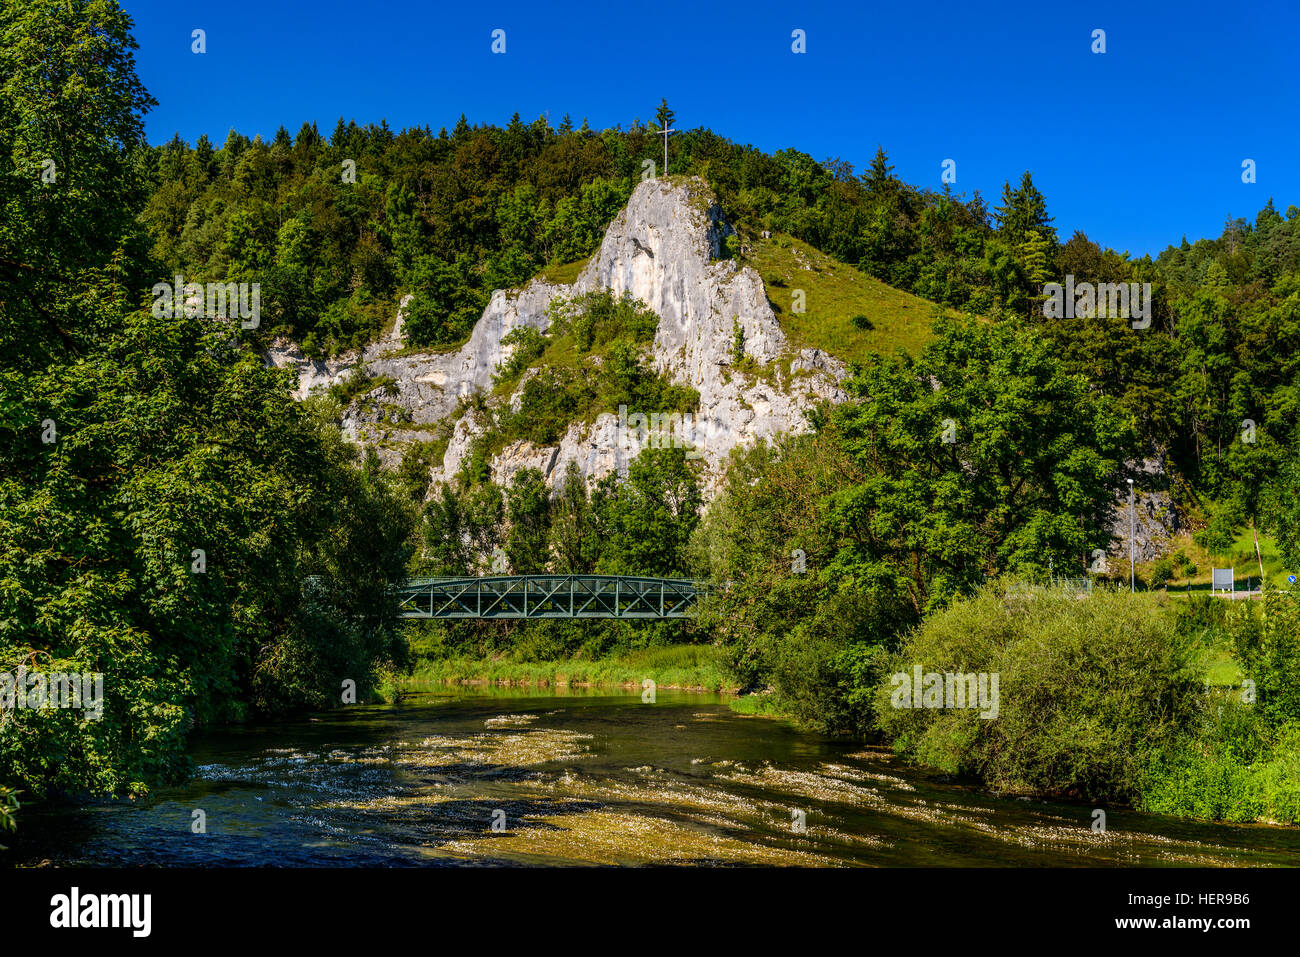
1024, 210
1033, 254
880, 176
664, 116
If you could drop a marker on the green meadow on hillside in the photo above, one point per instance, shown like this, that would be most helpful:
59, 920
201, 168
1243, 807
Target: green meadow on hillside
835, 294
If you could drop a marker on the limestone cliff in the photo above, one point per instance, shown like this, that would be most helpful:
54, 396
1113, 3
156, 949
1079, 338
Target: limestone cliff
665, 249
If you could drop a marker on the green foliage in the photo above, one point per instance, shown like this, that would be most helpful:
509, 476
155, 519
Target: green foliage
8, 810
646, 521
1162, 572
737, 342
1266, 641
186, 529
527, 346
980, 456
1224, 520
575, 540
1281, 511
1088, 690
528, 516
1233, 767
414, 472
589, 361
640, 525
460, 529
596, 319
360, 382
68, 96
787, 620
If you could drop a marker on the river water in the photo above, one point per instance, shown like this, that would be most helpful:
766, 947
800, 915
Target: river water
463, 777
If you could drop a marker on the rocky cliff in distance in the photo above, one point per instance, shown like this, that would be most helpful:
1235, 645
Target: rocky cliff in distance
665, 248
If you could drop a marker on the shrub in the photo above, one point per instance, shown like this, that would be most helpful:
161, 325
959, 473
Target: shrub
1234, 767
1162, 572
1088, 687
529, 344
1266, 640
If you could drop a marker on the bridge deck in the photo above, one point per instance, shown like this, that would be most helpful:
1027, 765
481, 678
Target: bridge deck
550, 596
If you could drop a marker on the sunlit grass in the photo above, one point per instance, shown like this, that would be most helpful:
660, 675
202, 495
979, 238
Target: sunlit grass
670, 666
563, 274
1240, 557
835, 293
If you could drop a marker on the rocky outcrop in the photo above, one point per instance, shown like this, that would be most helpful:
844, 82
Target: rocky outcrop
1155, 520
665, 248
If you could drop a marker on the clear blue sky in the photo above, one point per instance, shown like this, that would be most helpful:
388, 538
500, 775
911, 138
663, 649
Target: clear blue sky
1136, 147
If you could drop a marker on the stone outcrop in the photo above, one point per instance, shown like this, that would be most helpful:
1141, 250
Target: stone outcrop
666, 249
1155, 520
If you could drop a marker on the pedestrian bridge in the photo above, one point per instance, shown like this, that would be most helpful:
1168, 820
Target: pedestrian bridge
550, 596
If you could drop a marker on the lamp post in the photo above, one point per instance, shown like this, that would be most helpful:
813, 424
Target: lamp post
1132, 554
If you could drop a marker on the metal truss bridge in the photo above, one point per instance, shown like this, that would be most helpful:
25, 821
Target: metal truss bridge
550, 596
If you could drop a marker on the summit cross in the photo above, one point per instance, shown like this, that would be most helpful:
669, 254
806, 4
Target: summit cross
664, 132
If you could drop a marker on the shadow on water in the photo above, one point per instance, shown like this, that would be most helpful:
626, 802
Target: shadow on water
474, 777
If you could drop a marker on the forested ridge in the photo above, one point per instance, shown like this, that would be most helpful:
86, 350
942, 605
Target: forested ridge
448, 217
172, 519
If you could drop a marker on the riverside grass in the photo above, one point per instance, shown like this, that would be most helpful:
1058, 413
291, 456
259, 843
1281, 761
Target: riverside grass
687, 667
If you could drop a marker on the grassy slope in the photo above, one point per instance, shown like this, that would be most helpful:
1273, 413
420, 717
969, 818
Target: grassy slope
563, 274
1223, 668
1240, 557
835, 293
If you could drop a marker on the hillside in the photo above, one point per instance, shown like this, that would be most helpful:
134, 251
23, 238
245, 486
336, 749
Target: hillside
715, 346
835, 294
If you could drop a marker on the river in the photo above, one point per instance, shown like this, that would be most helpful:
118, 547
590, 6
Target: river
484, 776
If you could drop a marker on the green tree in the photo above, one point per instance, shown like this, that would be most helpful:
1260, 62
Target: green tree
980, 456
664, 115
646, 521
528, 516
574, 541
169, 517
1024, 210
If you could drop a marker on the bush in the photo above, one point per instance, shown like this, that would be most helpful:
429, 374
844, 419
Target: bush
1223, 522
1162, 572
1233, 768
1088, 688
1266, 640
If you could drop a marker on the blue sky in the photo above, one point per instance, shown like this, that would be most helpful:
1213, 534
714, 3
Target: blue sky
1137, 146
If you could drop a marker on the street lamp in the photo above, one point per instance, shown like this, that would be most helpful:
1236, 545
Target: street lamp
1132, 555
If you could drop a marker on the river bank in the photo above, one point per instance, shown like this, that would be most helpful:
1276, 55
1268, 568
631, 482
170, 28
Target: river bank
675, 667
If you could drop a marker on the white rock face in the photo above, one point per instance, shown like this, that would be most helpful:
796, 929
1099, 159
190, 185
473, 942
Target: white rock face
661, 249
